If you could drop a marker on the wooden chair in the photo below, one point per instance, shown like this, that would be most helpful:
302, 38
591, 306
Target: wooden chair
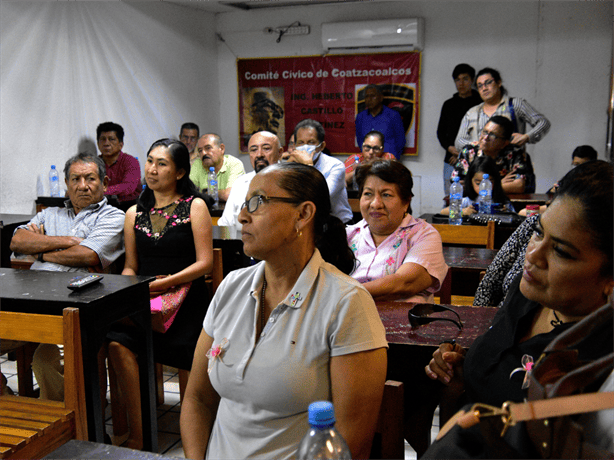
33, 428
474, 235
388, 441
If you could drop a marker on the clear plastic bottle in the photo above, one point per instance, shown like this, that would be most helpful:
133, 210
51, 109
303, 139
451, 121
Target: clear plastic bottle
456, 198
356, 164
54, 182
322, 441
485, 195
212, 187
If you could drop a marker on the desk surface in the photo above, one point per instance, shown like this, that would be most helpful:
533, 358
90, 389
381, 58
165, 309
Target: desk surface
476, 321
50, 287
468, 258
12, 219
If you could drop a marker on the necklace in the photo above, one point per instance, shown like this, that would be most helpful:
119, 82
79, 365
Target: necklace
556, 322
262, 305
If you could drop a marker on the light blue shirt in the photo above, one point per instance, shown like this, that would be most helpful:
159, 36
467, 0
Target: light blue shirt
100, 225
333, 171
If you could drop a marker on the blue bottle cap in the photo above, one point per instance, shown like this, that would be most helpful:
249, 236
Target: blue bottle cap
52, 166
211, 168
485, 176
456, 179
321, 414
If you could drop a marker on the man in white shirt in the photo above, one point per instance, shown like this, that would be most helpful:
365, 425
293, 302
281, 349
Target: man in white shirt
264, 149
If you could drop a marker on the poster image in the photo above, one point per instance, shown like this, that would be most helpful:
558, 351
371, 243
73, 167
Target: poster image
276, 93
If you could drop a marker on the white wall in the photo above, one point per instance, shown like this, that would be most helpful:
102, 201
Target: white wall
65, 67
557, 55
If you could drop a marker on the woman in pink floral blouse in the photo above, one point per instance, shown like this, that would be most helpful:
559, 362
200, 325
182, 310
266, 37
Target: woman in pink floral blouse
399, 257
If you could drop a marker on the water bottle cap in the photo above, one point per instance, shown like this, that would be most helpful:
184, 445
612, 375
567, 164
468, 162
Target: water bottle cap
52, 166
321, 414
485, 176
211, 168
456, 179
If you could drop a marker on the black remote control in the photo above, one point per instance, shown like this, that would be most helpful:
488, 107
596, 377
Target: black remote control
79, 283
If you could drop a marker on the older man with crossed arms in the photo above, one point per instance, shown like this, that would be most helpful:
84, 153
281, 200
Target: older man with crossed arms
85, 235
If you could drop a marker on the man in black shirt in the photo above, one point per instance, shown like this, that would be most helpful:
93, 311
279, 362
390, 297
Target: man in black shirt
452, 113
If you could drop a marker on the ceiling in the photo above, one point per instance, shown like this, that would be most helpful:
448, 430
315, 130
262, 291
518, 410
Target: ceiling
224, 6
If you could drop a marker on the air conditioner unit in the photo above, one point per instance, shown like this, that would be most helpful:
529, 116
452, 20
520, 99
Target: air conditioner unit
387, 33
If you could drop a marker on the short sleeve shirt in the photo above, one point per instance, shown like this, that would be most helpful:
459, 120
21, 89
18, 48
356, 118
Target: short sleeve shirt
226, 176
415, 240
266, 383
100, 225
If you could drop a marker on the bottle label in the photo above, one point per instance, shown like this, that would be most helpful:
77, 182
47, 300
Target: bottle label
456, 196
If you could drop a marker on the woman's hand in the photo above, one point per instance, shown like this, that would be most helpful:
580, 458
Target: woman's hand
447, 365
469, 210
158, 287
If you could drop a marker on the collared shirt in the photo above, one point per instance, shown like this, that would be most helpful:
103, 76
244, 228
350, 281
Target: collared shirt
231, 169
349, 163
334, 173
389, 123
124, 178
475, 119
266, 383
238, 194
100, 225
415, 240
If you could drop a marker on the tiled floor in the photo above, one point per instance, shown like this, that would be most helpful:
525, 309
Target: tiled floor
169, 438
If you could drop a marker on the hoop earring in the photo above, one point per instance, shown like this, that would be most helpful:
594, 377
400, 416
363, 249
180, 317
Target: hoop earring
299, 232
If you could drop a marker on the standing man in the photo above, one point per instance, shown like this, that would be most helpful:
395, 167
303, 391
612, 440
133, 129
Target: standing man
309, 135
264, 149
189, 135
227, 168
378, 117
85, 235
452, 113
123, 170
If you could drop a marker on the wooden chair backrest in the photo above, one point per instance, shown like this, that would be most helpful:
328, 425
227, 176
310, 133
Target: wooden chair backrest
388, 441
54, 329
217, 272
476, 235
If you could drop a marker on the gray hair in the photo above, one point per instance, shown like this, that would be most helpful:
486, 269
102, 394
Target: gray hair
86, 157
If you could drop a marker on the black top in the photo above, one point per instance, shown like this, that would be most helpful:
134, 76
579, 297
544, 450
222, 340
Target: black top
452, 113
494, 355
162, 253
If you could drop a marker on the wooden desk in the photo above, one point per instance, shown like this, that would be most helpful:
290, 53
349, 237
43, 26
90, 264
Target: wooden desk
76, 449
411, 350
100, 305
466, 265
502, 231
8, 224
521, 200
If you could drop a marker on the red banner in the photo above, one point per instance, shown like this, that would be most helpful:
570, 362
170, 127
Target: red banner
276, 93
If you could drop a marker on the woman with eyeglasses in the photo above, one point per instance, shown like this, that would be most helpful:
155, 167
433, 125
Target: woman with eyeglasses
399, 257
288, 331
497, 102
567, 274
372, 149
168, 235
513, 163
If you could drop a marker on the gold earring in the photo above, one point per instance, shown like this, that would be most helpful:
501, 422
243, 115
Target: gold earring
299, 232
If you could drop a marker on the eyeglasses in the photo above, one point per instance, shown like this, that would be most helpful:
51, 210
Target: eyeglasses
417, 316
490, 135
255, 201
486, 83
368, 148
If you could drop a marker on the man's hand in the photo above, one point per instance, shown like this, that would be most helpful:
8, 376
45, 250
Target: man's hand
453, 150
298, 156
452, 160
519, 139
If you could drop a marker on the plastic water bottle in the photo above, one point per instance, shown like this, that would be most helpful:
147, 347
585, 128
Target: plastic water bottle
212, 188
485, 195
456, 198
356, 164
322, 441
54, 182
